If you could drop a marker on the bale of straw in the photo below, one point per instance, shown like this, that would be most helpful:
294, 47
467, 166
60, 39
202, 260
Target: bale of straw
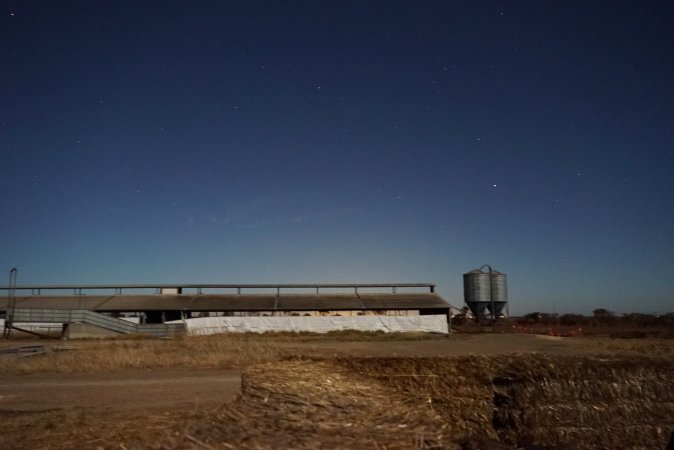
309, 404
584, 402
458, 389
569, 401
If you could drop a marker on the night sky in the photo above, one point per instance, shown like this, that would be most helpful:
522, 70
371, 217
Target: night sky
343, 141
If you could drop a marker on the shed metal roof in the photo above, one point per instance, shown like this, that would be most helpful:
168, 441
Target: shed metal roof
234, 302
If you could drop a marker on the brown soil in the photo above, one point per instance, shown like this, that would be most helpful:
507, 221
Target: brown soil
101, 392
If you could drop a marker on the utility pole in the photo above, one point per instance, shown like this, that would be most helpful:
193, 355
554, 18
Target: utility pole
11, 304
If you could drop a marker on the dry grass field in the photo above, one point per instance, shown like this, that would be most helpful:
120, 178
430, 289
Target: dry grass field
207, 352
343, 390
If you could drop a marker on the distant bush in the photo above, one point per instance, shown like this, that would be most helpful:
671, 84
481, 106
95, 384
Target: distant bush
641, 320
529, 319
602, 316
537, 318
573, 320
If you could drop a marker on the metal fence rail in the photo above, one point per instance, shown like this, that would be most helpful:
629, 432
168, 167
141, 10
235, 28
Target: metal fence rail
95, 319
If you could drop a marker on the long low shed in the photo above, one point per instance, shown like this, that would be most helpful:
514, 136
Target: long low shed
95, 305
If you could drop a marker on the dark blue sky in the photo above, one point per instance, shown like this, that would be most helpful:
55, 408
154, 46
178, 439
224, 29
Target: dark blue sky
350, 141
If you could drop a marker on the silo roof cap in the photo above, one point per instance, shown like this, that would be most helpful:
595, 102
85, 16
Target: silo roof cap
476, 271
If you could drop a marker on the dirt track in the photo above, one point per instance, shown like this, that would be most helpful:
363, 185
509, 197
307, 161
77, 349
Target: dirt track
156, 389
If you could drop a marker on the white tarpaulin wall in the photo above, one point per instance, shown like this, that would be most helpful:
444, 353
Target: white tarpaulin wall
322, 324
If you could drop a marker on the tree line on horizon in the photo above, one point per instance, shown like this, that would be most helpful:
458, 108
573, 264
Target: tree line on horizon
599, 317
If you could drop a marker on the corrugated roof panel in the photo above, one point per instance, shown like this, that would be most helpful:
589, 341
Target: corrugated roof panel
323, 302
233, 302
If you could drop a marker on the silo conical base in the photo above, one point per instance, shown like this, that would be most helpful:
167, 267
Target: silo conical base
478, 308
498, 308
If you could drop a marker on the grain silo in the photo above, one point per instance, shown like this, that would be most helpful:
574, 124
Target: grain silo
485, 291
477, 291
